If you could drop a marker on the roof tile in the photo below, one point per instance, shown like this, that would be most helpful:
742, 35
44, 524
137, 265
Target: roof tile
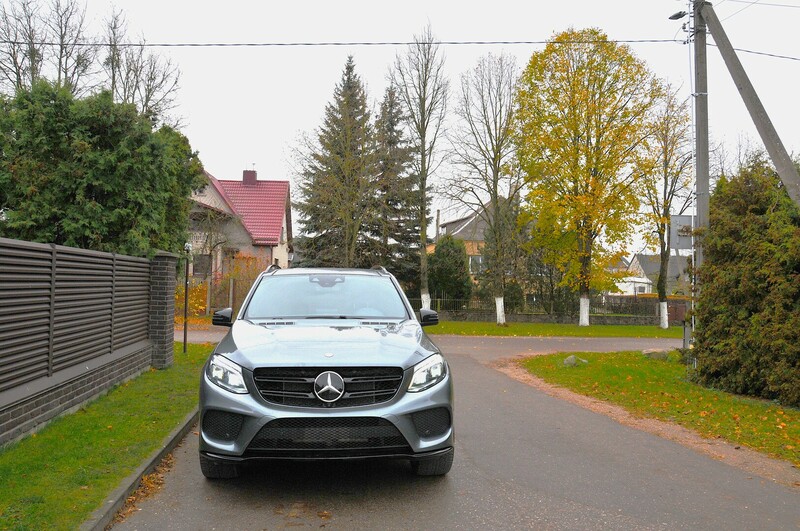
261, 207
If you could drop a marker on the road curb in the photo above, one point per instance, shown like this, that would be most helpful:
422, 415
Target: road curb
105, 514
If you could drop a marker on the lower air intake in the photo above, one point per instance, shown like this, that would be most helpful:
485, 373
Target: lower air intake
312, 437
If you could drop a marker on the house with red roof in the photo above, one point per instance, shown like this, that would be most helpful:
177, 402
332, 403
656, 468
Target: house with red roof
250, 218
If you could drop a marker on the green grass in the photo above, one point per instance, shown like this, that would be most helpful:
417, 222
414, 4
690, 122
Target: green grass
464, 328
659, 389
57, 477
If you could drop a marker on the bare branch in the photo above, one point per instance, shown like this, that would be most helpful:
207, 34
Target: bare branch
71, 59
421, 85
22, 54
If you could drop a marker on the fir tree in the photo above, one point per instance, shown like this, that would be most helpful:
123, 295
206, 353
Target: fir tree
393, 235
338, 180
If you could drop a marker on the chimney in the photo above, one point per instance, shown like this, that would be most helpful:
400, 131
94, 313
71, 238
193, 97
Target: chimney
249, 177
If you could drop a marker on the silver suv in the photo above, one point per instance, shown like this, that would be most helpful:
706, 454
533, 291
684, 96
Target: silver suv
325, 364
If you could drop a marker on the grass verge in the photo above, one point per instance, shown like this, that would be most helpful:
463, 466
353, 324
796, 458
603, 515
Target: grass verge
466, 328
659, 389
55, 478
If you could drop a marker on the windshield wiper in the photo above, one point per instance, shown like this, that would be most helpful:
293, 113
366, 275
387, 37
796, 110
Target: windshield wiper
328, 317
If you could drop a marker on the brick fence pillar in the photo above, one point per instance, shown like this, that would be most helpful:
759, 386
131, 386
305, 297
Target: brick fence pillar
161, 328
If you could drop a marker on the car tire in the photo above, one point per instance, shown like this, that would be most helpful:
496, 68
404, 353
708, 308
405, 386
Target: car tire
435, 466
216, 469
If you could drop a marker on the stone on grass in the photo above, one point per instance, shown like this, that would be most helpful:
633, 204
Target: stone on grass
656, 354
573, 360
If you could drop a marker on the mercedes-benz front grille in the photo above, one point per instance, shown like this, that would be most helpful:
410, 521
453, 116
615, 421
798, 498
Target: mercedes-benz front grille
294, 386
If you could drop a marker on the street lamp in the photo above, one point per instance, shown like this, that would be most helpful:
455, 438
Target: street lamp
187, 248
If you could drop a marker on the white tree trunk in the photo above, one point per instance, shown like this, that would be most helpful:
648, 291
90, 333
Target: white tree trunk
584, 318
501, 311
426, 300
664, 313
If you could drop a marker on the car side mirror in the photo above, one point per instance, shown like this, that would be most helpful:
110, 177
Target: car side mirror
222, 317
428, 317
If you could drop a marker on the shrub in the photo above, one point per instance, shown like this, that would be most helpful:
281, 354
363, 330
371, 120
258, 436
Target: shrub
197, 298
448, 272
748, 335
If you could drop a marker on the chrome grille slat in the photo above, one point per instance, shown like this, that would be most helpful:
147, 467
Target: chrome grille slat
294, 386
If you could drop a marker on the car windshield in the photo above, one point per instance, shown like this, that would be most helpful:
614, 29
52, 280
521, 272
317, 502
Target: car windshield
325, 295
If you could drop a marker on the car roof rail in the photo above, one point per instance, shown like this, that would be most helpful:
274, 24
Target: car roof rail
272, 267
380, 269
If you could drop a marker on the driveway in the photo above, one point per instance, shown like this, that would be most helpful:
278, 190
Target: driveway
523, 460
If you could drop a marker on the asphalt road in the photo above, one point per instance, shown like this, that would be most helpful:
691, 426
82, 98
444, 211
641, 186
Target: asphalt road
523, 460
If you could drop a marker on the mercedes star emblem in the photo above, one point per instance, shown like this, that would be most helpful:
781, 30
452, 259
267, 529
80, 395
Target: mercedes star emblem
329, 386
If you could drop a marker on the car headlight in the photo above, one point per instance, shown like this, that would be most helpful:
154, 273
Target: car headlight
226, 374
428, 373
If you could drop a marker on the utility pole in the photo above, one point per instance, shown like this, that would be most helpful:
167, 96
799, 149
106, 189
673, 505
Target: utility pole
701, 127
777, 152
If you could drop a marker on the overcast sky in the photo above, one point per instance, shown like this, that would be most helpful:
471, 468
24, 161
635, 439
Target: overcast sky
247, 107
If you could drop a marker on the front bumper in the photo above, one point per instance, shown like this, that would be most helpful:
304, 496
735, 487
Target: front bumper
230, 422
418, 457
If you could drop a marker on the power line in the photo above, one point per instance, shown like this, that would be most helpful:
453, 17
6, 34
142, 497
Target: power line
766, 54
335, 43
792, 6
379, 43
749, 4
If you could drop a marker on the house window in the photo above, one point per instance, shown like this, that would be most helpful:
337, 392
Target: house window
202, 265
476, 266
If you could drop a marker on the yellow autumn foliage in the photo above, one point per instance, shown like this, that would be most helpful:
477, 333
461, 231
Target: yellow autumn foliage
582, 105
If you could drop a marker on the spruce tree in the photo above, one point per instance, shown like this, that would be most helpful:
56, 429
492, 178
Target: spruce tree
393, 235
338, 180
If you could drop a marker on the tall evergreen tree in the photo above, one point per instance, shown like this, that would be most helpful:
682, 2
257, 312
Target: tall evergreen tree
393, 233
337, 181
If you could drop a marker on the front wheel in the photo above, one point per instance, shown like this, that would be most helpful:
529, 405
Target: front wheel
217, 469
434, 466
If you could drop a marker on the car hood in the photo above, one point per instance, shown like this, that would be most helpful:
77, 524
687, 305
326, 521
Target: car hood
310, 343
